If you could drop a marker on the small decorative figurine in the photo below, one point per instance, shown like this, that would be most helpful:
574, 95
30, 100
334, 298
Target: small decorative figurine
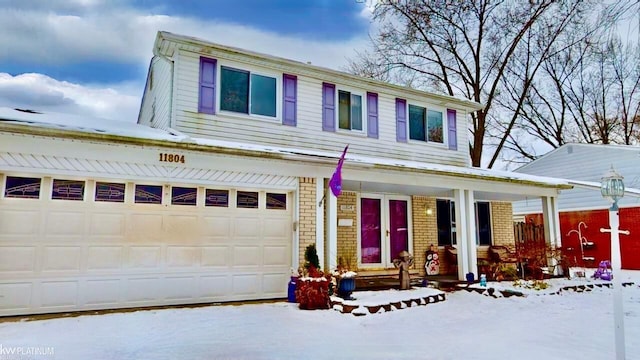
432, 265
403, 263
483, 280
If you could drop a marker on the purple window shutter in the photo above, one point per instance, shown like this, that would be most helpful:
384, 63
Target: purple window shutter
451, 125
207, 100
290, 91
372, 115
401, 120
328, 107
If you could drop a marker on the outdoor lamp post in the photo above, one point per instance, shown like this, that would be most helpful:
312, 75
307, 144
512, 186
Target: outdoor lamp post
612, 187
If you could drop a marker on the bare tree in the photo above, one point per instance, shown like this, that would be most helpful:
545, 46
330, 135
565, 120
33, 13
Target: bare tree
489, 51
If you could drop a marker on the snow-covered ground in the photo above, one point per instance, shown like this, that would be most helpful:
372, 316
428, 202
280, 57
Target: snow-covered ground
468, 325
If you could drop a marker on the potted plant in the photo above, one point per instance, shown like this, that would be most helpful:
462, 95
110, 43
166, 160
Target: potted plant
346, 281
312, 288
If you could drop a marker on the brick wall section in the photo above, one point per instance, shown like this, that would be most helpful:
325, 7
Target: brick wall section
502, 223
307, 225
348, 235
425, 230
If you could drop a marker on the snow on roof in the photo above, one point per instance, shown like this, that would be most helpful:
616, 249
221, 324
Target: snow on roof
82, 123
68, 122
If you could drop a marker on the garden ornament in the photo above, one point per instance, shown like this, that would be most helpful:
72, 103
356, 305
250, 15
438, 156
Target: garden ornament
403, 262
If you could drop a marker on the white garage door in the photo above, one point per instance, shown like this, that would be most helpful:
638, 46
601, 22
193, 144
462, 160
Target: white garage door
170, 246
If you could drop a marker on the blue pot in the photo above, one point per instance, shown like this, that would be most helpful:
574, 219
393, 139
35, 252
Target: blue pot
346, 287
291, 295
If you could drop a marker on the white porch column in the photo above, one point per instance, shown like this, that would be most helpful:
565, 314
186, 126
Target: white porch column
465, 232
551, 219
320, 244
331, 204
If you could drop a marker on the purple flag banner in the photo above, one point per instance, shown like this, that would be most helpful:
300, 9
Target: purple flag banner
336, 179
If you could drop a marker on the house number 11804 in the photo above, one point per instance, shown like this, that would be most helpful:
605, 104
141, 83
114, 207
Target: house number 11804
175, 158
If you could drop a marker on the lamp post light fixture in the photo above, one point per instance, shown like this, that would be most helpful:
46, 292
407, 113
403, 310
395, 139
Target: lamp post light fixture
612, 187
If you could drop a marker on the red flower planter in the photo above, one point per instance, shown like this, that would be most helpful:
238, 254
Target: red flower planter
313, 293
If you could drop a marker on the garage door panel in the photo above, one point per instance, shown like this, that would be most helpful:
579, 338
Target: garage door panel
247, 227
145, 289
61, 258
144, 256
246, 256
59, 294
216, 256
105, 257
276, 255
17, 259
274, 284
19, 222
15, 297
183, 256
145, 226
102, 291
217, 227
180, 288
65, 223
107, 224
277, 228
215, 286
246, 284
183, 226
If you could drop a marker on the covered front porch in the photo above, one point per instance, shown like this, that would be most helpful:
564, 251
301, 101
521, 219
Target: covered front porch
419, 209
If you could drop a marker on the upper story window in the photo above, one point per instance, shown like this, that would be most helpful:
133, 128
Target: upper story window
349, 110
247, 93
425, 125
414, 122
242, 91
22, 187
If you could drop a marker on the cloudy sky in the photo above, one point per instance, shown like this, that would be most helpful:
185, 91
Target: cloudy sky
91, 56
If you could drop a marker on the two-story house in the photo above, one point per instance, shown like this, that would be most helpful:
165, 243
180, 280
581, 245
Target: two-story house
215, 193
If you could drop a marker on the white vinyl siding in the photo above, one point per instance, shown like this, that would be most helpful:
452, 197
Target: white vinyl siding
155, 110
308, 133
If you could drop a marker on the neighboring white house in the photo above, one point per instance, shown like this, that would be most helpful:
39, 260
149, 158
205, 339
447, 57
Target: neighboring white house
583, 211
215, 193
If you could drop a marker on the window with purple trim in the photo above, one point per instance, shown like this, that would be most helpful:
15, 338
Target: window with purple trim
349, 110
22, 187
247, 93
67, 190
425, 125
